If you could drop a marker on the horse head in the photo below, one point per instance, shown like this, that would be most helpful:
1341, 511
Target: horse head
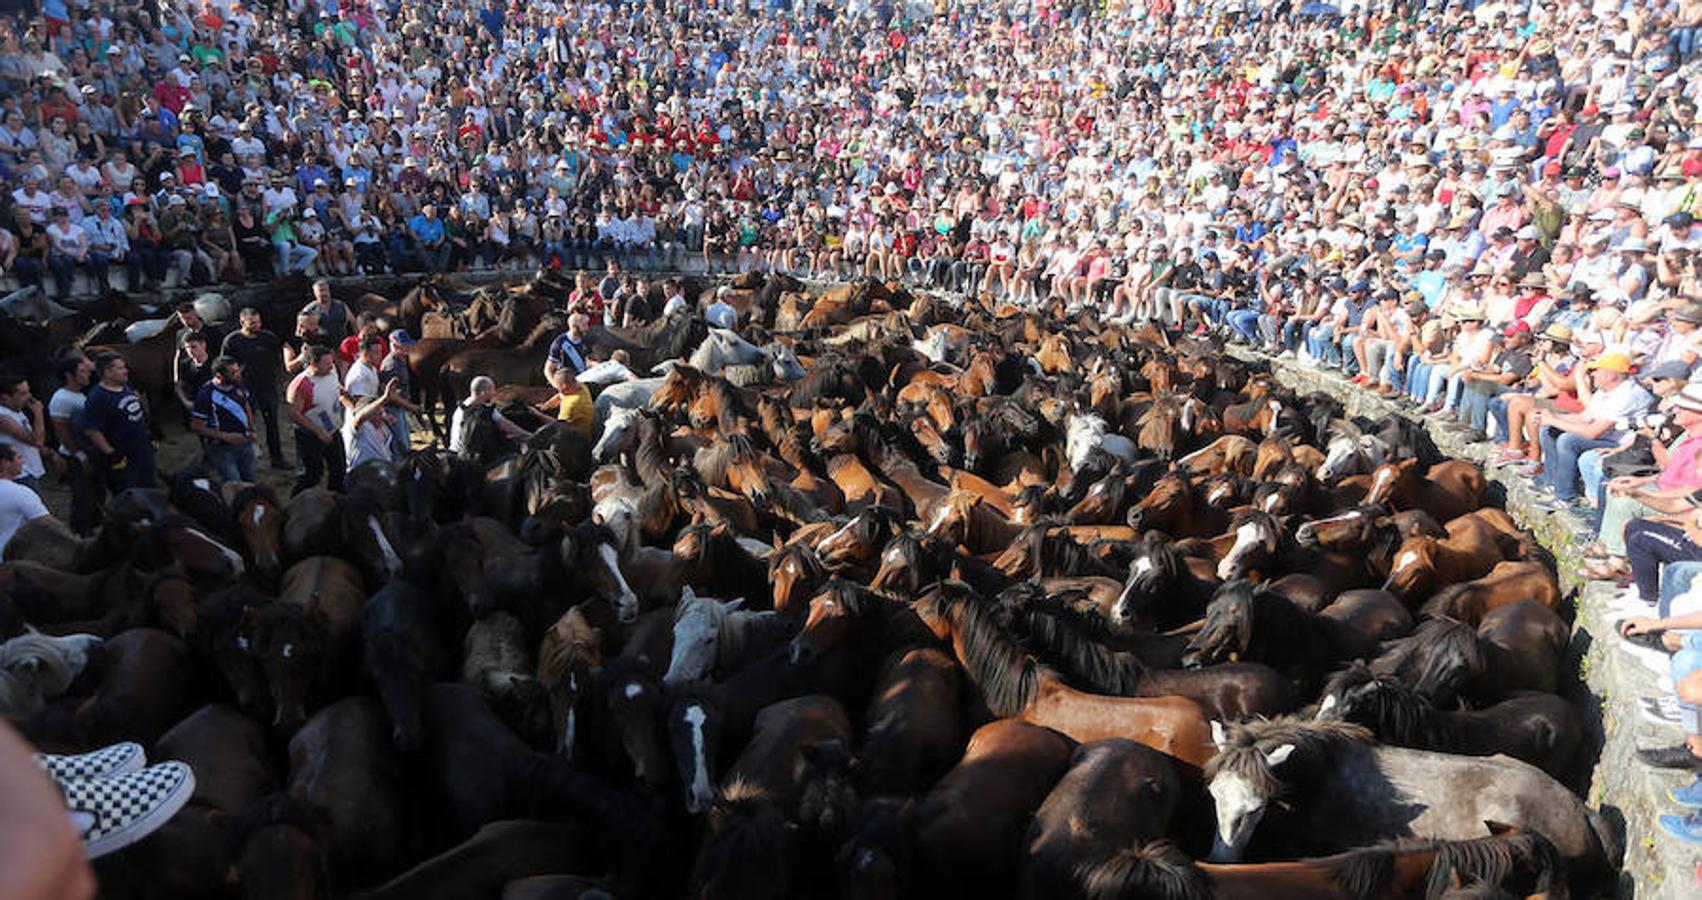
1252, 766
698, 626
829, 617
796, 572
1153, 571
1168, 503
290, 641
260, 521
634, 699
569, 652
694, 723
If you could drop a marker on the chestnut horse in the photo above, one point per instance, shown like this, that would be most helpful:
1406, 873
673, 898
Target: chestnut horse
1449, 490
1015, 684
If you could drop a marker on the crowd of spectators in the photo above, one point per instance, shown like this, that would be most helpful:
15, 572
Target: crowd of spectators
1486, 210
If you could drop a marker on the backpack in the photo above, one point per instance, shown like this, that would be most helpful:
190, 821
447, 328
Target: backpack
481, 441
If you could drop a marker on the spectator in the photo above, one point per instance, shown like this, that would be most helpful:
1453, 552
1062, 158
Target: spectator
23, 427
193, 370
1612, 400
115, 424
224, 420
19, 504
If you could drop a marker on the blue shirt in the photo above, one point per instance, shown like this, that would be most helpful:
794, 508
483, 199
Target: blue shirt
121, 418
426, 231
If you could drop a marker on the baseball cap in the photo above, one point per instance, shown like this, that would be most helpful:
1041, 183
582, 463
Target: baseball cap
1612, 362
401, 336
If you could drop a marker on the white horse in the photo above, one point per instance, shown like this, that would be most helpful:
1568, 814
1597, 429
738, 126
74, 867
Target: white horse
616, 428
1086, 433
625, 395
35, 667
618, 516
707, 635
723, 348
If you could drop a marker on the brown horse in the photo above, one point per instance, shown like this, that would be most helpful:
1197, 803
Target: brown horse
306, 640
1090, 838
913, 730
1230, 453
1424, 564
1015, 684
1449, 490
1173, 507
796, 573
259, 521
571, 650
1507, 583
970, 825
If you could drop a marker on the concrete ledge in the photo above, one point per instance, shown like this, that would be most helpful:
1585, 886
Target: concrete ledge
1609, 682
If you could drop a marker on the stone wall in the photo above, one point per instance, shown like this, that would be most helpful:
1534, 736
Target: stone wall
1609, 683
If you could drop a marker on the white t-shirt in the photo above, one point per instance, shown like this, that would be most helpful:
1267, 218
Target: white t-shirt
362, 443
18, 504
66, 404
31, 455
361, 380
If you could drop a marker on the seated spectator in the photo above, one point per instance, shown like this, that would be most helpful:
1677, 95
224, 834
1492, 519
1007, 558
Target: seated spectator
1612, 402
1632, 497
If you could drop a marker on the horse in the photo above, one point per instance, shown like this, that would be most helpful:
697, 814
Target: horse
1507, 583
1084, 842
1161, 586
1424, 564
1541, 729
714, 555
1173, 507
148, 683
969, 827
711, 637
306, 641
35, 668
497, 856
912, 731
1448, 490
259, 520
342, 764
1401, 868
568, 654
1111, 666
1346, 791
497, 661
1014, 683
1245, 623
796, 572
403, 650
1523, 646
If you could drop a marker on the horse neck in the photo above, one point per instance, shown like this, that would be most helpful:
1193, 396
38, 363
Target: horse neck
988, 529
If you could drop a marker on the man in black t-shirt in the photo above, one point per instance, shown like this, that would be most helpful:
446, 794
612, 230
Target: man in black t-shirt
1511, 363
261, 355
194, 368
115, 424
1184, 282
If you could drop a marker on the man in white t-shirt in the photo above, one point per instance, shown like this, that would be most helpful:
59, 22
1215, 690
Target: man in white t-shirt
721, 314
64, 413
362, 378
18, 504
23, 427
366, 427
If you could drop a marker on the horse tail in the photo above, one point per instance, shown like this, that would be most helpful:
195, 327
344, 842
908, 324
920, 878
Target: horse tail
1158, 870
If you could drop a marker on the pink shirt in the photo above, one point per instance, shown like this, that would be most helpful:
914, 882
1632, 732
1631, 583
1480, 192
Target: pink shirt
1682, 470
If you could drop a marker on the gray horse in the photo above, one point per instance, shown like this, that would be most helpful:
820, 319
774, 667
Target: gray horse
1325, 786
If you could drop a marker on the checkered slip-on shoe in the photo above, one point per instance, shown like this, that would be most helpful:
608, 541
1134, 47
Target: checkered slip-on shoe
114, 760
114, 812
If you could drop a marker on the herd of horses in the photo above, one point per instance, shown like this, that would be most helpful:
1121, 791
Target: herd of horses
881, 597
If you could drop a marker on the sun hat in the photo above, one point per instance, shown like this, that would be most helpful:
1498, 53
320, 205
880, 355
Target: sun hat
1689, 312
1468, 313
1558, 332
1690, 398
1611, 362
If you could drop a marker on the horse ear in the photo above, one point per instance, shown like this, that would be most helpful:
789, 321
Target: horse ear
1277, 756
1325, 707
1500, 829
1219, 736
733, 604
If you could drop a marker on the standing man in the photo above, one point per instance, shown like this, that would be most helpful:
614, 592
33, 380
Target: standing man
318, 415
115, 423
721, 314
65, 409
224, 420
194, 369
23, 427
394, 370
259, 352
569, 350
336, 321
362, 378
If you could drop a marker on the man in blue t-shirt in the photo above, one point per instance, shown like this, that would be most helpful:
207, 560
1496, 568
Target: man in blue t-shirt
115, 422
223, 418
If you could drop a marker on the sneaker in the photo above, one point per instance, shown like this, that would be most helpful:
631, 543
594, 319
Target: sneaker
117, 759
1677, 756
1689, 796
1661, 709
1646, 640
1658, 662
114, 812
1687, 829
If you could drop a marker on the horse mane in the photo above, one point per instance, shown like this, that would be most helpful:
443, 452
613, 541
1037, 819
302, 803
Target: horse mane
1365, 874
1446, 602
1243, 751
1436, 659
1492, 860
730, 449
814, 569
1006, 673
1073, 647
745, 853
1229, 621
254, 493
546, 330
1158, 870
1395, 711
570, 639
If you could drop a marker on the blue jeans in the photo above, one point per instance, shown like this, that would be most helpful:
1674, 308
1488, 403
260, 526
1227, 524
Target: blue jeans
1595, 480
1498, 413
1245, 322
1474, 405
1560, 452
231, 463
1418, 377
294, 257
1293, 333
1319, 343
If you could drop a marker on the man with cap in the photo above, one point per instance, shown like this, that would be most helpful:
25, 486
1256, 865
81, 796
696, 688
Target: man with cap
394, 368
1612, 400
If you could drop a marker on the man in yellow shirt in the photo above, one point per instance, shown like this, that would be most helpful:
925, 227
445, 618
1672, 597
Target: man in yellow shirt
572, 402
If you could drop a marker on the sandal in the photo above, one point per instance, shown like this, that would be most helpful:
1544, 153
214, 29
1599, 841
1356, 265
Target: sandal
1593, 550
